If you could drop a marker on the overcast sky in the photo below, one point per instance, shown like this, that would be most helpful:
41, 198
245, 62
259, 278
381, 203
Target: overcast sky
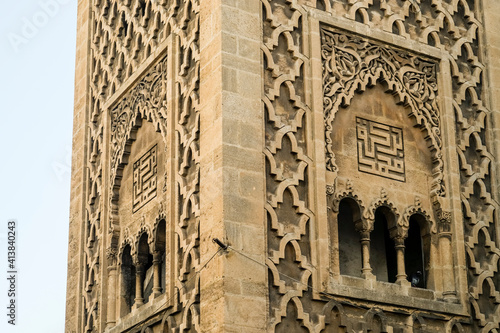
37, 56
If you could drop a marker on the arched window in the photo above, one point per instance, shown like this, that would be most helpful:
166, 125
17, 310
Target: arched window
418, 327
144, 270
159, 257
417, 246
127, 290
383, 252
377, 325
335, 323
350, 257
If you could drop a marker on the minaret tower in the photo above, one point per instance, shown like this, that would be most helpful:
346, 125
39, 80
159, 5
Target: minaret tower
286, 166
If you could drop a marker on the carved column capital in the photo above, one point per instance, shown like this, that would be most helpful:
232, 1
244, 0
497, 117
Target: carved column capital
111, 255
330, 190
444, 223
399, 242
398, 234
139, 266
157, 257
364, 227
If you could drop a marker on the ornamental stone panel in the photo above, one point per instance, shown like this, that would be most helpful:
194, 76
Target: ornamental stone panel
285, 165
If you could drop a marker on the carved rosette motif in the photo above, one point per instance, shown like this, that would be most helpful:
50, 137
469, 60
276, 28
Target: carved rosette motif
351, 64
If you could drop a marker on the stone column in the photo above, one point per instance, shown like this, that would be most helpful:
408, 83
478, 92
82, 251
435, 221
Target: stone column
156, 273
400, 255
139, 273
446, 254
398, 234
112, 278
365, 227
365, 251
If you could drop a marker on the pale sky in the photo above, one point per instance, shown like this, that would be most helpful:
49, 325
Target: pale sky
37, 56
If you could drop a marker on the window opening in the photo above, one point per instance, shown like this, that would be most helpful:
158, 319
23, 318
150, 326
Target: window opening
128, 282
383, 252
144, 271
350, 257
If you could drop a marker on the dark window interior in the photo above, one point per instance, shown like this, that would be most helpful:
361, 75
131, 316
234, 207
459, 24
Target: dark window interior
349, 239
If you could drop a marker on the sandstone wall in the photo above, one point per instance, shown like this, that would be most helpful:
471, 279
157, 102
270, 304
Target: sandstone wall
340, 148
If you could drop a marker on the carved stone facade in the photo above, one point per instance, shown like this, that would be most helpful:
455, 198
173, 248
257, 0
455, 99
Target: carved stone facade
346, 152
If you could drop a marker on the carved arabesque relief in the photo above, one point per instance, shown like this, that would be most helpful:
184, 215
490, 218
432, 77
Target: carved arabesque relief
147, 101
453, 27
288, 161
450, 25
352, 64
123, 36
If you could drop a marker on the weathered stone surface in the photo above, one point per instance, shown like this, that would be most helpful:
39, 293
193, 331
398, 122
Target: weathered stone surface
345, 151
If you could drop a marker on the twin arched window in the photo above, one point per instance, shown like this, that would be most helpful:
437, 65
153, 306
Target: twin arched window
382, 252
143, 273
